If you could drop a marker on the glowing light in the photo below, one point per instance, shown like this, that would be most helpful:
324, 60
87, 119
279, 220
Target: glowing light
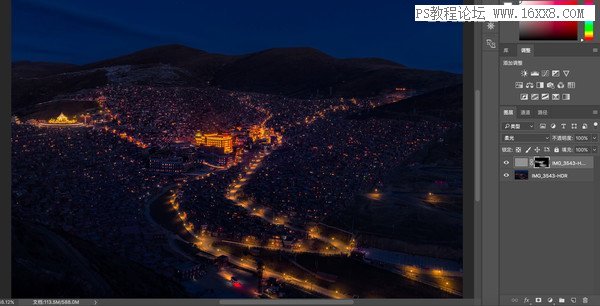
224, 141
62, 119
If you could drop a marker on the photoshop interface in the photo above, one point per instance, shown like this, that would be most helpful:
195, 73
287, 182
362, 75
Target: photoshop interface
300, 153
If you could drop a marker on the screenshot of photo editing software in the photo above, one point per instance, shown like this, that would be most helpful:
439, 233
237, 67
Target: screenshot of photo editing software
301, 152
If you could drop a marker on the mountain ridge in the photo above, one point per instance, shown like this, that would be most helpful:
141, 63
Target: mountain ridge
300, 72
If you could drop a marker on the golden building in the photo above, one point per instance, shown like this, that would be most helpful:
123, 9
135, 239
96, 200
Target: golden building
217, 140
260, 132
62, 119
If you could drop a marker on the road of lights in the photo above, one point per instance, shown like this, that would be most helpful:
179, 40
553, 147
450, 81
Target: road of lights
205, 244
112, 117
234, 194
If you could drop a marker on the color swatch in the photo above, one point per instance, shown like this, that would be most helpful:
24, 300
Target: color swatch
549, 30
588, 26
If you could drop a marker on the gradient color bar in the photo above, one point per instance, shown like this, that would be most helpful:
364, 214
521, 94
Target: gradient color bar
550, 30
588, 26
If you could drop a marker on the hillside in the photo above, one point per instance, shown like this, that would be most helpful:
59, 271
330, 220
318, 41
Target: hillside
307, 72
75, 268
201, 65
27, 92
289, 71
296, 72
27, 69
445, 102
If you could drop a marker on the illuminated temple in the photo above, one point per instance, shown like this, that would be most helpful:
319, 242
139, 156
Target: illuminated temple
61, 121
260, 132
217, 140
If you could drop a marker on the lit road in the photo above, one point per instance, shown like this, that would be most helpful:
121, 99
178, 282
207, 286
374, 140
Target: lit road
206, 244
234, 194
278, 248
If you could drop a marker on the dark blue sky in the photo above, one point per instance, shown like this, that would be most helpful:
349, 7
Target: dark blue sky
83, 31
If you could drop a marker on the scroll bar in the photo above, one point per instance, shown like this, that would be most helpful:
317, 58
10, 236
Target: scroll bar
477, 146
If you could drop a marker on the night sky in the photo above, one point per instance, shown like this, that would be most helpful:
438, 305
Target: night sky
82, 31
